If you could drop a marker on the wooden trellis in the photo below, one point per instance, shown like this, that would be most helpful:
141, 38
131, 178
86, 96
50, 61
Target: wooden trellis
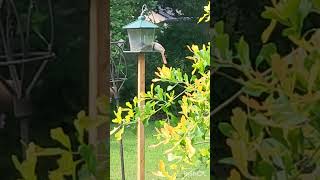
21, 61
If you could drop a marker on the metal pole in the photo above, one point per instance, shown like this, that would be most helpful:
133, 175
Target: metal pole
24, 133
121, 143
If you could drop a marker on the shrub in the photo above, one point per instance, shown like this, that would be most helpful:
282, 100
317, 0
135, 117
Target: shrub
277, 135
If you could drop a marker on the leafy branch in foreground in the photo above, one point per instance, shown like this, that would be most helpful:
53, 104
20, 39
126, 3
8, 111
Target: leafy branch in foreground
277, 135
186, 132
81, 163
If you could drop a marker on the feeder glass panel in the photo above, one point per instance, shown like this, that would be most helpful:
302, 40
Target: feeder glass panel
135, 39
141, 39
148, 38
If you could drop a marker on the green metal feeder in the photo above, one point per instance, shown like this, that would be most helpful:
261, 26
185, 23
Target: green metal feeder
141, 35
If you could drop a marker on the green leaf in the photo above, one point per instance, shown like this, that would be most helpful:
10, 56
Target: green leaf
87, 153
49, 151
314, 73
169, 88
278, 134
279, 67
263, 120
288, 8
58, 135
267, 32
222, 44
273, 146
266, 53
66, 163
234, 175
16, 162
118, 135
284, 114
256, 129
226, 129
265, 169
243, 51
296, 140
228, 161
186, 78
56, 175
103, 105
28, 166
316, 4
270, 13
239, 122
253, 89
219, 27
240, 154
81, 123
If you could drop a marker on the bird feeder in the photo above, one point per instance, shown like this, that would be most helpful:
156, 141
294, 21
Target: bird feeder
141, 34
142, 40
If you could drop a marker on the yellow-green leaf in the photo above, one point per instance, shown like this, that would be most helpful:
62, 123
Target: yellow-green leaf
268, 31
190, 149
118, 135
66, 163
56, 175
240, 154
234, 175
58, 135
129, 105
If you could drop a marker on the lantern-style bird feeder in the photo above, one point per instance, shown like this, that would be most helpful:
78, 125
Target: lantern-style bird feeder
142, 40
141, 34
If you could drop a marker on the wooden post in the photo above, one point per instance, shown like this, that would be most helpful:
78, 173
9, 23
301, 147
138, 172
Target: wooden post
141, 90
93, 62
98, 66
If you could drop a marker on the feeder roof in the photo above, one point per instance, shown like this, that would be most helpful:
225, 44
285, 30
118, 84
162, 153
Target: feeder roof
141, 23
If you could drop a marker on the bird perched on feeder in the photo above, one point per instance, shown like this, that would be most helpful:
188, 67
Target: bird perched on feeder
158, 47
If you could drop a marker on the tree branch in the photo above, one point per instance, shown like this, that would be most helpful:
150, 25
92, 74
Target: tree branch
227, 102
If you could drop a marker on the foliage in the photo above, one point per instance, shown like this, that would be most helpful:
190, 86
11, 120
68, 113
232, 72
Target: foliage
206, 15
81, 163
184, 8
123, 12
186, 132
276, 136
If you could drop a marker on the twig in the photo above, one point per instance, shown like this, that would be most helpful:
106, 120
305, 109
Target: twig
230, 77
204, 142
225, 103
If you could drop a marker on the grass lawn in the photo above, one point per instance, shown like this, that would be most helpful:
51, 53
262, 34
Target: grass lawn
152, 156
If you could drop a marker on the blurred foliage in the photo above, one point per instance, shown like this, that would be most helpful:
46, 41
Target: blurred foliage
242, 17
74, 160
274, 134
188, 8
62, 90
123, 12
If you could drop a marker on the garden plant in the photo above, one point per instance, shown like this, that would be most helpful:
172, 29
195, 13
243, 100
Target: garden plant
275, 134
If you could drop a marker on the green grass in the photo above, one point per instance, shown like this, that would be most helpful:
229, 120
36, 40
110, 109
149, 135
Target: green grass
152, 156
